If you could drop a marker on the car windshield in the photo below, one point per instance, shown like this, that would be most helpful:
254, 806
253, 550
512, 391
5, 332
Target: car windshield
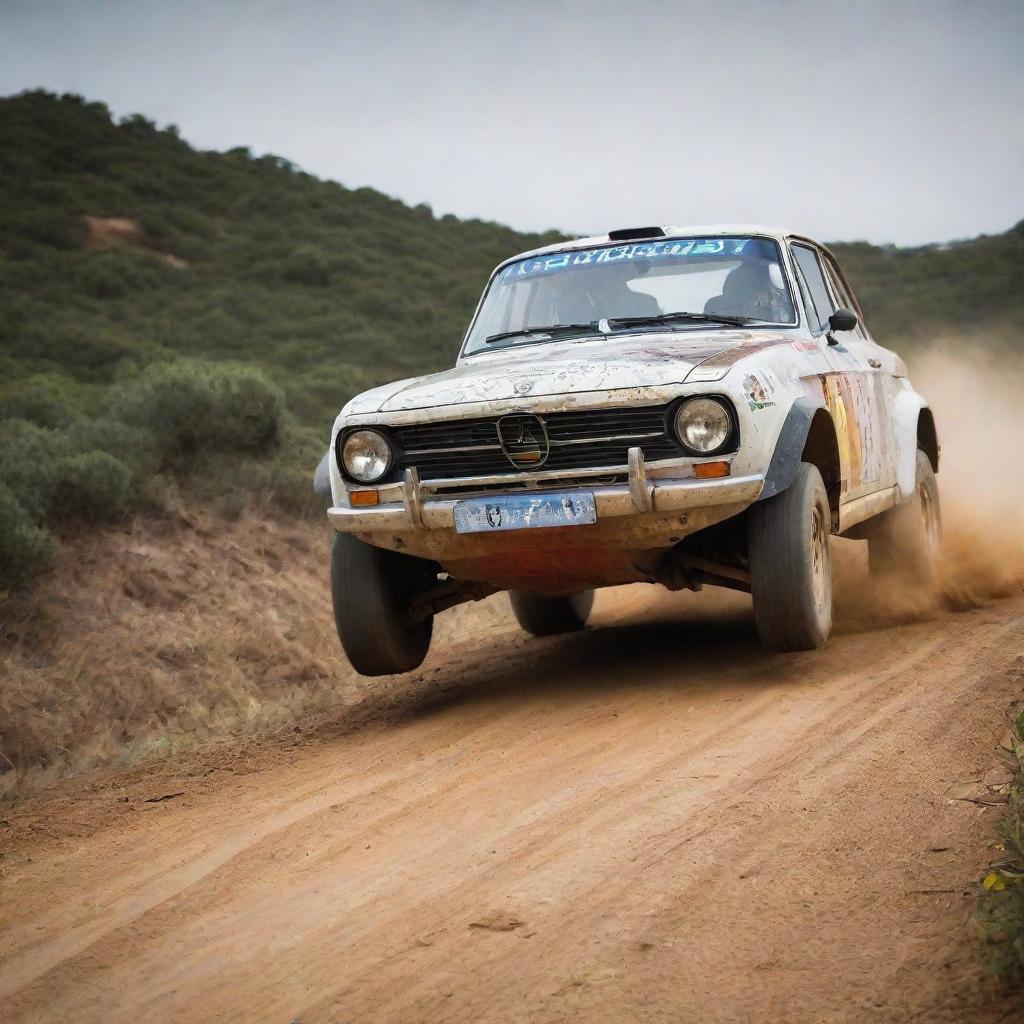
556, 295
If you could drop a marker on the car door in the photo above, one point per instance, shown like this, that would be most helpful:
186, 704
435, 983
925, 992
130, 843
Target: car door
851, 384
884, 370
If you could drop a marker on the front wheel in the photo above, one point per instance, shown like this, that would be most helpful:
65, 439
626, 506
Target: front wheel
791, 564
371, 589
546, 616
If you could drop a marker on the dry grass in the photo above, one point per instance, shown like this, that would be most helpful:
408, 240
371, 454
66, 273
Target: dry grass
167, 633
160, 634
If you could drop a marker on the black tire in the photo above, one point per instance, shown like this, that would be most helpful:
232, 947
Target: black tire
546, 616
791, 564
904, 542
371, 589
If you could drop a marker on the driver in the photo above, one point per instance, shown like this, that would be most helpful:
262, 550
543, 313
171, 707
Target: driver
749, 290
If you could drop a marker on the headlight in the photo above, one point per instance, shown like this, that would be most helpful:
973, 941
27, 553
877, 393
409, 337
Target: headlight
704, 425
366, 456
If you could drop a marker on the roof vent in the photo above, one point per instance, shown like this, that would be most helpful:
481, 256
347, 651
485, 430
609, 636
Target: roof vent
626, 234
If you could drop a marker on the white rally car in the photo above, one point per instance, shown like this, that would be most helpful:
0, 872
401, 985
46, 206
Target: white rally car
681, 406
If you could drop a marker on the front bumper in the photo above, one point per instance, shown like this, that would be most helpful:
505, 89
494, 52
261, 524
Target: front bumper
641, 513
641, 495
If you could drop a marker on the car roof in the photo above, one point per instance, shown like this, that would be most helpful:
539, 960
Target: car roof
670, 231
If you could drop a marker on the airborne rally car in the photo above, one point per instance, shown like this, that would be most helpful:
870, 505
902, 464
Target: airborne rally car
681, 406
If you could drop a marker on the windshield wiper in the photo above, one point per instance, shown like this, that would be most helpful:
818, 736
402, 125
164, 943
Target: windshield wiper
695, 318
552, 329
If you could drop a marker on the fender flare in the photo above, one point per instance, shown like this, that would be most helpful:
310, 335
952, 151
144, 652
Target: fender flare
906, 413
790, 446
322, 476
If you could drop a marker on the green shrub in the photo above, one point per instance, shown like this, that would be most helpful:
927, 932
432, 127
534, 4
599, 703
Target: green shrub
92, 486
38, 401
110, 275
24, 547
29, 460
306, 266
134, 446
192, 408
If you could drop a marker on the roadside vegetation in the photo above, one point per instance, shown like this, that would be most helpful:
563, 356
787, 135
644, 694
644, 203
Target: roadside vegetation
1000, 914
65, 464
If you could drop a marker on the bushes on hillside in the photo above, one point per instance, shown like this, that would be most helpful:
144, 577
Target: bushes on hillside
191, 408
308, 266
28, 464
284, 271
45, 477
81, 468
38, 400
113, 274
93, 486
24, 547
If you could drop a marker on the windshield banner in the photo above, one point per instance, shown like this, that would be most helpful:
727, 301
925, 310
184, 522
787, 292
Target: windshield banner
667, 249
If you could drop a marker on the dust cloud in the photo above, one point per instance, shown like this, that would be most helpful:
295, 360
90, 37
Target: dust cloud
974, 392
977, 399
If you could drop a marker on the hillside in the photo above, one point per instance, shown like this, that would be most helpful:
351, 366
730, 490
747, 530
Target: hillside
219, 255
171, 318
122, 245
972, 289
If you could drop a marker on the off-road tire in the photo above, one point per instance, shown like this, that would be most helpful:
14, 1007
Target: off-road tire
791, 564
371, 589
903, 543
546, 616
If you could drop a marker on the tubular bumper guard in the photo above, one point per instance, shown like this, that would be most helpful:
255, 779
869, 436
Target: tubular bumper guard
415, 510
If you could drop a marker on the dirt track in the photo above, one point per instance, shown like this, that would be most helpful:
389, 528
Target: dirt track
651, 821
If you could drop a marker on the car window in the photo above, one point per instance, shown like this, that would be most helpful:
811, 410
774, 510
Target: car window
821, 300
842, 293
805, 299
841, 296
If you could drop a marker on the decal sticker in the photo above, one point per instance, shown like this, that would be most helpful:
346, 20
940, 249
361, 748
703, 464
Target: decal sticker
837, 390
758, 393
725, 248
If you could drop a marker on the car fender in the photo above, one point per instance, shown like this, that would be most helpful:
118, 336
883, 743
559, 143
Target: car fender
322, 476
905, 415
789, 447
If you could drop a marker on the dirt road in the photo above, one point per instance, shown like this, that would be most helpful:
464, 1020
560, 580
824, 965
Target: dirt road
650, 821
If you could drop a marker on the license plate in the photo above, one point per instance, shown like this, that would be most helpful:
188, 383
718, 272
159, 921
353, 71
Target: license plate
525, 512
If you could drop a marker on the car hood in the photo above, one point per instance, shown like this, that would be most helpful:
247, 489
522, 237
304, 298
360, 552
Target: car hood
555, 368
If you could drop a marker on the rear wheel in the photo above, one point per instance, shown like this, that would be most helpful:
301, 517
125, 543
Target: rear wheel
372, 589
904, 541
546, 616
791, 564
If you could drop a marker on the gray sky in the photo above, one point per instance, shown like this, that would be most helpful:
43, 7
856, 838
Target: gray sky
892, 121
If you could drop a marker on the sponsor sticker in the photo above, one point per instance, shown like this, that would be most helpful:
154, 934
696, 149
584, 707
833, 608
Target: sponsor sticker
757, 392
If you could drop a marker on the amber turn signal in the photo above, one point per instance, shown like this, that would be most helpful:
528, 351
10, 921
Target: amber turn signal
710, 470
359, 498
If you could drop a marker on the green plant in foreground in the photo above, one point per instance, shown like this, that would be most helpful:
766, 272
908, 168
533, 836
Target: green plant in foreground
999, 918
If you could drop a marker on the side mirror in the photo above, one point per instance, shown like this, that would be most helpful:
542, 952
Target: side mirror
843, 320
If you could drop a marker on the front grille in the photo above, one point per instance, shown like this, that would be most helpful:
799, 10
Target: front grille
561, 483
588, 439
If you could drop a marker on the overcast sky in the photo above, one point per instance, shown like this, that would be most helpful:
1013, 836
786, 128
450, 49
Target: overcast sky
898, 120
